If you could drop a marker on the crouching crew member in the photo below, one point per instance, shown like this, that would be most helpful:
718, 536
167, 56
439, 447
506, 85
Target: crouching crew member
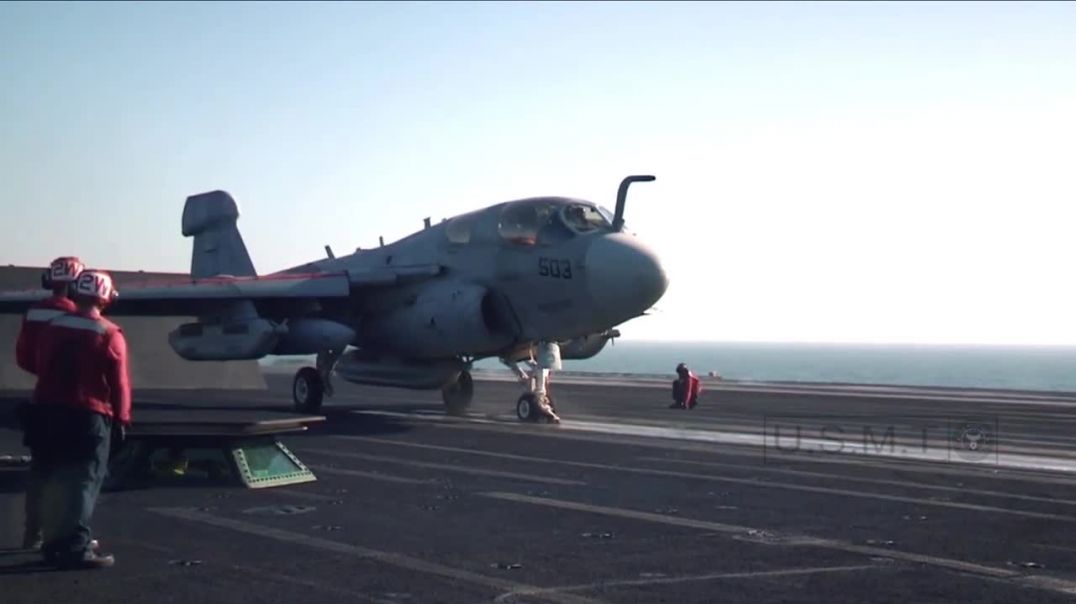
685, 389
82, 391
59, 275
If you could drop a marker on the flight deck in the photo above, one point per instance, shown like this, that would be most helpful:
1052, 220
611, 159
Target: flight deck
762, 493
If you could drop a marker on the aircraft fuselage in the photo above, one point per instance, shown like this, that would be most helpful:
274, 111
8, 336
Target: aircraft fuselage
554, 268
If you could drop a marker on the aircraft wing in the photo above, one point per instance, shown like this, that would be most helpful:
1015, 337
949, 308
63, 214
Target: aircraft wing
198, 296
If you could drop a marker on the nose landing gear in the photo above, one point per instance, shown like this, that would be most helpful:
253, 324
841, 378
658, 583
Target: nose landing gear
537, 404
531, 408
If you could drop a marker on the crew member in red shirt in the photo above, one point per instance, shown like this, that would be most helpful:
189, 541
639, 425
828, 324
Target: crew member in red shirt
57, 277
686, 389
82, 391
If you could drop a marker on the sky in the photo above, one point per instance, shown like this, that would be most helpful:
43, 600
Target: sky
826, 172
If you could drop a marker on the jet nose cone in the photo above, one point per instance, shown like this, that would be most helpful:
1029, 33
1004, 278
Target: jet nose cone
624, 276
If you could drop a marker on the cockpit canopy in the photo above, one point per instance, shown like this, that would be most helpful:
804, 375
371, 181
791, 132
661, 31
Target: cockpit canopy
551, 220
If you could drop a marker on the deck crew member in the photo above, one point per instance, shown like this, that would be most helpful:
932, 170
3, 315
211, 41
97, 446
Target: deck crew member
59, 275
83, 391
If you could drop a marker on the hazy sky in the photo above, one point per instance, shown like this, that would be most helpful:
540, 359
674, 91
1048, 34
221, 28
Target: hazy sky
874, 172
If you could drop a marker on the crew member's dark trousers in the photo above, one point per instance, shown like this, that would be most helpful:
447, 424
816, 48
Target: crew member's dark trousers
71, 476
32, 507
34, 486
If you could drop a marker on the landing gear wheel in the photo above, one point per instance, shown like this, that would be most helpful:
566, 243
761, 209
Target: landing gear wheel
527, 408
307, 390
457, 395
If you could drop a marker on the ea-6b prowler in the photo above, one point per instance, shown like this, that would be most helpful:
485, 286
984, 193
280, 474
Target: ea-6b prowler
539, 279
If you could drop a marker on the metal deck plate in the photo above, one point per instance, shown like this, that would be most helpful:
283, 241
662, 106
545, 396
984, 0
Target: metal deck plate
269, 464
214, 447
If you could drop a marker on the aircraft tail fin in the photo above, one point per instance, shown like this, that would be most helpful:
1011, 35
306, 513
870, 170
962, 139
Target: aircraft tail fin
218, 247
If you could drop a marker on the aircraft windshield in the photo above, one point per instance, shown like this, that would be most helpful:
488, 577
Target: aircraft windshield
606, 214
585, 219
529, 223
458, 230
520, 222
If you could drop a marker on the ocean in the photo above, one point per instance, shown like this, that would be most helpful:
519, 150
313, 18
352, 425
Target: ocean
1044, 368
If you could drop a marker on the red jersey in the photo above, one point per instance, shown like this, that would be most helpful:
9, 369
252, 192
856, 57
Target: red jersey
82, 362
35, 319
688, 396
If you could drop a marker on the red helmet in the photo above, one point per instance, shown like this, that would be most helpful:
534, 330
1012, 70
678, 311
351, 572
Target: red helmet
95, 284
65, 269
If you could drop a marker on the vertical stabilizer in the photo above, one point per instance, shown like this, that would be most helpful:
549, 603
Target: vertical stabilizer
218, 247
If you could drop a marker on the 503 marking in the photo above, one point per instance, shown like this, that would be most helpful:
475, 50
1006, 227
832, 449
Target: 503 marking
555, 268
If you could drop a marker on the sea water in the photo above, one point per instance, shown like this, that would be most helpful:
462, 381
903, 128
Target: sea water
1006, 367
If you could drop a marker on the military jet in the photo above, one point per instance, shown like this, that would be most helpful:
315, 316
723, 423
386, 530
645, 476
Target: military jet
539, 280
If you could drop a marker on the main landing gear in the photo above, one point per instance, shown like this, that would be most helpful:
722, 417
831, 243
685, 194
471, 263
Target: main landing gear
536, 404
312, 384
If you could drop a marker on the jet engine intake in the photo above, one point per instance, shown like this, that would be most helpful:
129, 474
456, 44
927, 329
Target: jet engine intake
446, 320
